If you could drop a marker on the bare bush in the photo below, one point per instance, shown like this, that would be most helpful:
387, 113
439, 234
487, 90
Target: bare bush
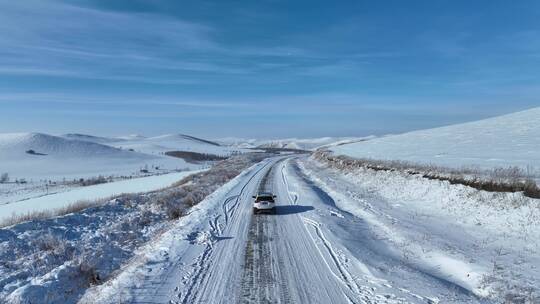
174, 211
55, 245
88, 270
195, 157
4, 178
78, 206
93, 181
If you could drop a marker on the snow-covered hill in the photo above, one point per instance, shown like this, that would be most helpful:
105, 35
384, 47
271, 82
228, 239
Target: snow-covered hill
290, 143
173, 142
310, 143
14, 145
91, 138
54, 157
509, 140
160, 144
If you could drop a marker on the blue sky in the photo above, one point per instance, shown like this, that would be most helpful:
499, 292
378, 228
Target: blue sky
264, 68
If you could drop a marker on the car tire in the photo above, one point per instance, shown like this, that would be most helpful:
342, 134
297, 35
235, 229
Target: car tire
255, 210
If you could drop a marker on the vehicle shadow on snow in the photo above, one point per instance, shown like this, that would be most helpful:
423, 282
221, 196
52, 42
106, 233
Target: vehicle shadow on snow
292, 209
222, 238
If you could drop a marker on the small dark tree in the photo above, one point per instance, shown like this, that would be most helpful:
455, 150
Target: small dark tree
4, 178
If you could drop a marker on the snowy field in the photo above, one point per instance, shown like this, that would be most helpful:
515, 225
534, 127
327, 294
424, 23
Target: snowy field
509, 140
37, 165
56, 158
90, 193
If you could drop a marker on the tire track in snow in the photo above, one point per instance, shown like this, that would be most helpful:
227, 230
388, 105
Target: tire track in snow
344, 276
261, 280
227, 210
204, 261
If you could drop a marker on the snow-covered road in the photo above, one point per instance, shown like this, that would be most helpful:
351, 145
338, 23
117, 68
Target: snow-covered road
309, 252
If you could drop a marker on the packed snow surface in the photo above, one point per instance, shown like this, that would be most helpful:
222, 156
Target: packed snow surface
509, 140
89, 193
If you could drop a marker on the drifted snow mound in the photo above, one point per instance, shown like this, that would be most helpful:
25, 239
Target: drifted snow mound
15, 145
509, 140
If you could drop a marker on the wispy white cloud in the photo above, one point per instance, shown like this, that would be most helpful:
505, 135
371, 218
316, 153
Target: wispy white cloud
59, 39
55, 38
66, 98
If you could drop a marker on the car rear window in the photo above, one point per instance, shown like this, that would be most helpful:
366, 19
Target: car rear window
264, 199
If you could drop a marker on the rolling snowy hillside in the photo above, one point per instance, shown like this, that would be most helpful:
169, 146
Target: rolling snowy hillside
301, 144
509, 140
290, 143
42, 156
91, 138
173, 142
15, 145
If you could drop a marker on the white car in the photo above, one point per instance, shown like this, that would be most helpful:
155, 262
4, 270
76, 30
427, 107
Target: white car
264, 202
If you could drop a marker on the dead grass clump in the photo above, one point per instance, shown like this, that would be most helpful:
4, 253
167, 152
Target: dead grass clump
17, 218
25, 217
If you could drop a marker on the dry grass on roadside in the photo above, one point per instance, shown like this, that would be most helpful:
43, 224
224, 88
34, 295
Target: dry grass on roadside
78, 206
511, 179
